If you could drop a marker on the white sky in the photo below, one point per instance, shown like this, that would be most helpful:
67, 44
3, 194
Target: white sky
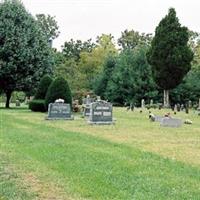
84, 19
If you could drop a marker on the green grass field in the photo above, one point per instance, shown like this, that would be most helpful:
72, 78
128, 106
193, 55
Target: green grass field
133, 159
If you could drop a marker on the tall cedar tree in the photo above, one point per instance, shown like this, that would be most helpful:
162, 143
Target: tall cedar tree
169, 55
25, 55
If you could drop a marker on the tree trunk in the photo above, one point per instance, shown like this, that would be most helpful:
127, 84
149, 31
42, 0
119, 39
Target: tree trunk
8, 95
166, 98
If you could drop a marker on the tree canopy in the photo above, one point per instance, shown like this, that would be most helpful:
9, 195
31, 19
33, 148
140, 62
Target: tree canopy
25, 55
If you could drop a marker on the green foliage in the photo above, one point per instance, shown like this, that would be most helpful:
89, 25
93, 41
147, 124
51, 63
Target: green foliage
72, 49
59, 89
37, 105
43, 87
48, 25
131, 79
25, 55
169, 55
101, 83
131, 39
91, 64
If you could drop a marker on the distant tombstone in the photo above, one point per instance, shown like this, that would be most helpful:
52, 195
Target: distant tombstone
151, 102
86, 107
17, 103
101, 113
59, 111
86, 111
142, 103
158, 118
175, 108
182, 107
171, 122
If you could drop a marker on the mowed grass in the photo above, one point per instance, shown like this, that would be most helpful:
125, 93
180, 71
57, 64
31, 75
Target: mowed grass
133, 159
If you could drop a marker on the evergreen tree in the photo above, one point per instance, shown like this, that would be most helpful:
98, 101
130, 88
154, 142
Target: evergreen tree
59, 89
43, 87
169, 55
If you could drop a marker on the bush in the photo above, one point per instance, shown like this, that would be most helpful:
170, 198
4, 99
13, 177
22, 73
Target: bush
43, 87
37, 105
59, 89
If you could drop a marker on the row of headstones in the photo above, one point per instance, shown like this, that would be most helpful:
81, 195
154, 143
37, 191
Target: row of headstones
100, 112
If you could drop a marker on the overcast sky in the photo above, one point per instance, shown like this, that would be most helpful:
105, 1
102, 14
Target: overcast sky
84, 19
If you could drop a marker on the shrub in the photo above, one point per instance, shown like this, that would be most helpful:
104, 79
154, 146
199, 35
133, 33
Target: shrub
37, 105
59, 89
43, 87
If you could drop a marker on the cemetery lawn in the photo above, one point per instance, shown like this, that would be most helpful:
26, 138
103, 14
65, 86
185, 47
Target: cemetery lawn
133, 159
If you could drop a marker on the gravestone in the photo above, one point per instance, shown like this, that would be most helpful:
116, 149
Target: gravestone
86, 106
175, 108
59, 111
101, 113
142, 103
171, 122
17, 103
159, 118
151, 102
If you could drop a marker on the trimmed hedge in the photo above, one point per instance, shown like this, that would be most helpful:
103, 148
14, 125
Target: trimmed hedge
59, 89
37, 105
43, 87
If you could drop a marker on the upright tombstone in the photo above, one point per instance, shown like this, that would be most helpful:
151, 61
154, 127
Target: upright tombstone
142, 103
59, 110
86, 107
101, 112
175, 108
151, 102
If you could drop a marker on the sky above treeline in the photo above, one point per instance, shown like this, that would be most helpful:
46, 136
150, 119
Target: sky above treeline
85, 19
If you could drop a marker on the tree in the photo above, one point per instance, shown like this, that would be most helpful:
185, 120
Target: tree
103, 79
91, 63
43, 87
130, 39
169, 55
49, 26
25, 55
72, 49
131, 79
59, 89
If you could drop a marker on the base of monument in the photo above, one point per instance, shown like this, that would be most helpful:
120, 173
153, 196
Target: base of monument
50, 118
101, 123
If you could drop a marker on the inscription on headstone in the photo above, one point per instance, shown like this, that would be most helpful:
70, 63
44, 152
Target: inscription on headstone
59, 111
101, 113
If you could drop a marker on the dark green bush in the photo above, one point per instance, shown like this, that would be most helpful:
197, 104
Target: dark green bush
37, 105
59, 89
43, 87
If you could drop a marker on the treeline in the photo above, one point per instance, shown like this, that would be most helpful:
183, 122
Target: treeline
120, 72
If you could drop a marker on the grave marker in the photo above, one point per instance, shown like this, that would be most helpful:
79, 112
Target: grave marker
59, 111
101, 113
